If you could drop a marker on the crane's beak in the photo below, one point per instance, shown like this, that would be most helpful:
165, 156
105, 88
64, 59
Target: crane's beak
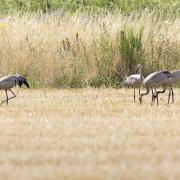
26, 83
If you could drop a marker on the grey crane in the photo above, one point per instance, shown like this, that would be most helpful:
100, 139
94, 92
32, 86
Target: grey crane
135, 80
157, 79
176, 81
8, 82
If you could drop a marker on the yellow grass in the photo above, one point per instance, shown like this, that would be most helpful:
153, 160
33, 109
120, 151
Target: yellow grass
33, 45
88, 134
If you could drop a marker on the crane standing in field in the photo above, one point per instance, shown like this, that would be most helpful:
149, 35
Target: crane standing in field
176, 81
157, 79
8, 82
135, 80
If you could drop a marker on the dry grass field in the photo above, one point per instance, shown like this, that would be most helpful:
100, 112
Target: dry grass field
88, 134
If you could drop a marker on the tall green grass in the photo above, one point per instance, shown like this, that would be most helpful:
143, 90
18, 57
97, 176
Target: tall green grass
131, 48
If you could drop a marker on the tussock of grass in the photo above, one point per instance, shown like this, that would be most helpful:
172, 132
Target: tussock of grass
62, 50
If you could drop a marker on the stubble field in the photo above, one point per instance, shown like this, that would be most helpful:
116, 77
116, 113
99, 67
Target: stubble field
88, 134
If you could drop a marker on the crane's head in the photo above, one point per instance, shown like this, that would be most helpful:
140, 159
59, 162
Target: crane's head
138, 67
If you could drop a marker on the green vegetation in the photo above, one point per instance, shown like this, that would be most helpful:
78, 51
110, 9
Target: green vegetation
76, 44
74, 5
131, 48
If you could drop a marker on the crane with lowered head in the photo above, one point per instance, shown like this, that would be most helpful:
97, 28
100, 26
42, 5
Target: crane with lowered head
157, 79
8, 82
176, 81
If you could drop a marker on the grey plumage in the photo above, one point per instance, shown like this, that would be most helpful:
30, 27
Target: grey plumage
154, 80
8, 82
176, 81
135, 80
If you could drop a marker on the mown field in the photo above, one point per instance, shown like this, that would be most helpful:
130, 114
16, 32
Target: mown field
88, 134
88, 128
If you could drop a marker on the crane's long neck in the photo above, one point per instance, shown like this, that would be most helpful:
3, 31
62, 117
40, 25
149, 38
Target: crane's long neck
140, 72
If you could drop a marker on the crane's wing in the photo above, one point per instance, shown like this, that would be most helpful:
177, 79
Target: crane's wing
168, 74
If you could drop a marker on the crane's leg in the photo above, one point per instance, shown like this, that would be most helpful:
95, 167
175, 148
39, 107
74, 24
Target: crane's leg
7, 98
172, 95
13, 94
156, 96
134, 95
153, 98
169, 95
139, 90
157, 92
